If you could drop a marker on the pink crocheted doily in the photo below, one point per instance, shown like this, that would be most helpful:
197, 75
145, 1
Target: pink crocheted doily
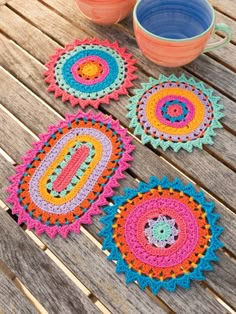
69, 173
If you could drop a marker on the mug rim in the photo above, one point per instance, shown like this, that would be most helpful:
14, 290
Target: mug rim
170, 39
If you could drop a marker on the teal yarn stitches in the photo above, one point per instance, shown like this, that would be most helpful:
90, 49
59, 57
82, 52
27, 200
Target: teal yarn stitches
175, 112
184, 255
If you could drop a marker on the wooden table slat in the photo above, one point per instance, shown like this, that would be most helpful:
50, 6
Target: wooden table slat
227, 6
11, 299
38, 273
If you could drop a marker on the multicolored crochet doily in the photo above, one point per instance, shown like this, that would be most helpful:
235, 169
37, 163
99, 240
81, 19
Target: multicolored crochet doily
162, 235
175, 112
69, 173
90, 72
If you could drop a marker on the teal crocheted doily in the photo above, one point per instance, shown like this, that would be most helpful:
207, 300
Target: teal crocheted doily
162, 235
175, 112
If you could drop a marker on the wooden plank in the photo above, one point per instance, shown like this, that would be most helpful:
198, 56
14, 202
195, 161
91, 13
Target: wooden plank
225, 148
228, 273
2, 2
11, 299
227, 6
114, 33
45, 41
221, 18
221, 173
38, 273
95, 220
10, 21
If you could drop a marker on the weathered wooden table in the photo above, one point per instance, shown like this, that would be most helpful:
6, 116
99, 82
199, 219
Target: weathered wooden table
73, 275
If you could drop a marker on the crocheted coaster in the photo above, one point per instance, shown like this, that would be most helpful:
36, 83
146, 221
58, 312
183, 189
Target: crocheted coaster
69, 173
90, 72
162, 235
175, 112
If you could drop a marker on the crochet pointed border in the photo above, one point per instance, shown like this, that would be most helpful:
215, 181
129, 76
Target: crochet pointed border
162, 234
90, 72
175, 112
70, 173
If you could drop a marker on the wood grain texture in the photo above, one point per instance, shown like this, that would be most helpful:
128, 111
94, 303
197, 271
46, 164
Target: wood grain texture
12, 301
38, 273
51, 246
227, 6
200, 174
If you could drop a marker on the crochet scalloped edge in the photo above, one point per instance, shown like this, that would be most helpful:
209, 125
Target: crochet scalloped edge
188, 146
102, 199
123, 89
144, 281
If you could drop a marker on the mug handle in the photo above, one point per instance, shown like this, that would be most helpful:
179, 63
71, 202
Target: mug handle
224, 41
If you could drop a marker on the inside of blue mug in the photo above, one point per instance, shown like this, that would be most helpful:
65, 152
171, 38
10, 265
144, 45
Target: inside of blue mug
175, 19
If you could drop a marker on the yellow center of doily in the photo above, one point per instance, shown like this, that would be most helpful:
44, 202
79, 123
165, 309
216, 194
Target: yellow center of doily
90, 69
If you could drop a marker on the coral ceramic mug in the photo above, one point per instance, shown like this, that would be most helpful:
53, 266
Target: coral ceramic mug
172, 33
105, 12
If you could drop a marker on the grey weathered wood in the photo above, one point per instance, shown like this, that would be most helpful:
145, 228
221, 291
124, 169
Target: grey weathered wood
200, 174
59, 27
12, 301
10, 21
18, 130
228, 273
38, 273
227, 6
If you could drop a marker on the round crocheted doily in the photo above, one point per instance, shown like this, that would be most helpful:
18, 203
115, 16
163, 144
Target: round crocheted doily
90, 72
175, 112
69, 173
162, 235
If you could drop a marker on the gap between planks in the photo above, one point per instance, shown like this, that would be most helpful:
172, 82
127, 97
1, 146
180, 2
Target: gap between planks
61, 265
11, 276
